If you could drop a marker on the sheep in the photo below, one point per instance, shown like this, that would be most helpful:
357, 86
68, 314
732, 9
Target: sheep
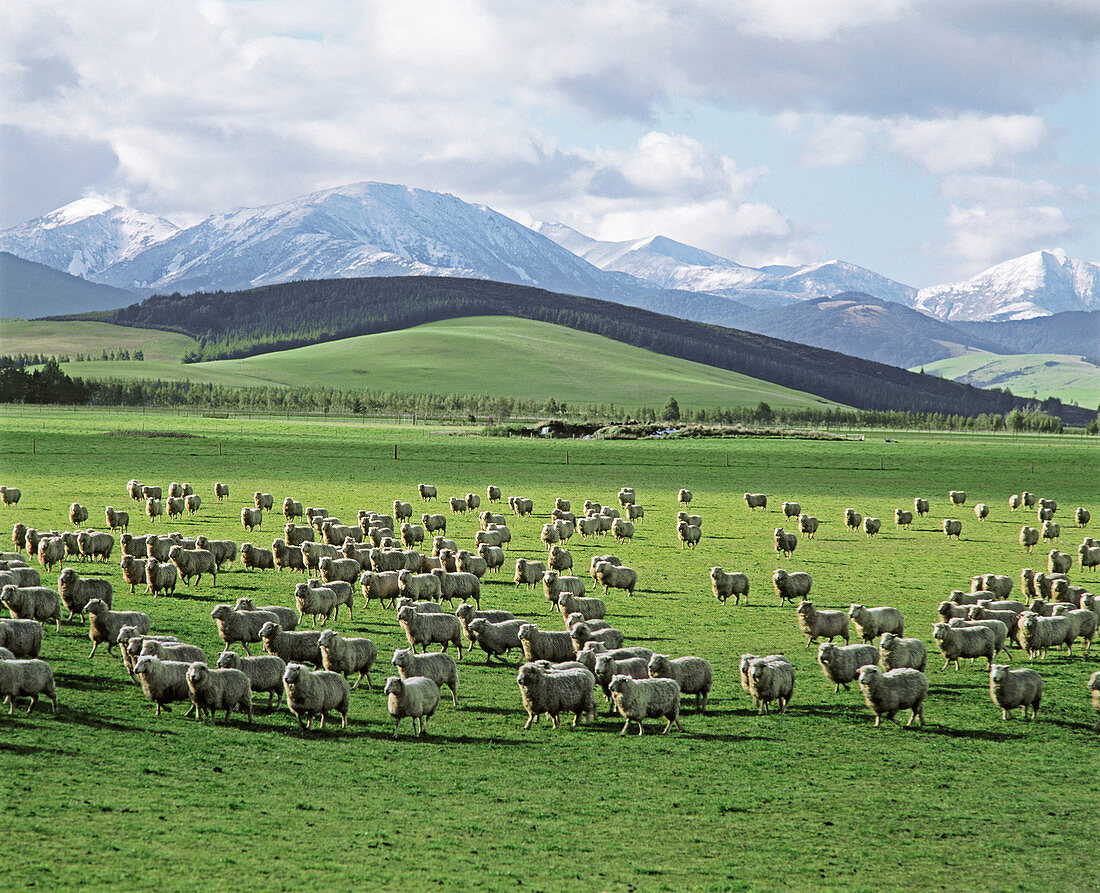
816, 624
771, 681
495, 638
545, 645
488, 519
458, 585
688, 534
895, 652
458, 504
694, 675
218, 689
242, 626
495, 536
1051, 531
785, 542
160, 578
382, 560
264, 672
1059, 562
343, 569
310, 693
607, 667
430, 629
957, 497
955, 642
287, 557
529, 572
256, 558
871, 526
134, 571
175, 506
296, 534
221, 491
32, 603
981, 510
319, 601
51, 551
756, 501
342, 655
997, 584
1050, 504
582, 633
441, 543
133, 489
23, 638
1038, 585
612, 576
949, 610
1081, 516
1009, 618
427, 491
852, 519
553, 692
725, 585
635, 513
19, 536
1094, 696
379, 586
311, 512
10, 495
952, 527
887, 693
291, 645
920, 506
26, 679
1088, 556
34, 537
469, 563
1084, 625
791, 587
95, 545
76, 592
521, 505
626, 496
1009, 689
564, 591
20, 575
251, 518
841, 663
194, 563
153, 509
807, 525
467, 613
313, 552
292, 508
434, 523
419, 586
116, 520
287, 617
1029, 537
163, 681
873, 622
265, 502
224, 551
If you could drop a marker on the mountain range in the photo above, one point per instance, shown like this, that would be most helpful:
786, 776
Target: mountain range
378, 229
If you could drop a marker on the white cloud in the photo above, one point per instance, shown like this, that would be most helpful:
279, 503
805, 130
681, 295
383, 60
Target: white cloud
813, 19
967, 142
1007, 192
984, 236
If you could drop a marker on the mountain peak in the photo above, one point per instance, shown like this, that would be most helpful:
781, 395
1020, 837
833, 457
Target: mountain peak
74, 212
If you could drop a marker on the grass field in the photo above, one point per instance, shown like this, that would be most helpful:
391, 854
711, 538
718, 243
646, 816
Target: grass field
1069, 378
54, 338
477, 355
106, 794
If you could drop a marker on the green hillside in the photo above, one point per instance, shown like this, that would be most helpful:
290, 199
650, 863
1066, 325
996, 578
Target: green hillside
1069, 378
505, 356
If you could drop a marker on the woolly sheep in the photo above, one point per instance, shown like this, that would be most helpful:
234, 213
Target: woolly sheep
311, 693
51, 551
771, 681
873, 622
347, 655
952, 527
694, 675
256, 558
345, 569
1029, 537
957, 497
1009, 689
981, 510
489, 519
313, 552
194, 563
95, 545
19, 536
729, 584
871, 526
10, 495
852, 519
1051, 531
607, 667
791, 587
26, 679
21, 576
287, 617
160, 578
623, 531
582, 633
440, 543
756, 501
419, 586
545, 645
529, 572
902, 518
554, 692
163, 681
221, 491
1094, 696
218, 689
626, 496
23, 638
588, 526
469, 563
635, 513
358, 553
612, 576
554, 585
785, 542
807, 525
32, 603
1088, 557
895, 652
971, 642
997, 584
153, 509
380, 587
1084, 625
746, 662
224, 551
287, 557
296, 534
1059, 562
321, 601
593, 651
299, 646
1081, 516
265, 502
337, 534
76, 591
251, 518
175, 506
495, 638
920, 506
521, 505
264, 672
688, 534
887, 693
239, 625
467, 613
492, 493
841, 663
292, 508
817, 624
430, 629
458, 585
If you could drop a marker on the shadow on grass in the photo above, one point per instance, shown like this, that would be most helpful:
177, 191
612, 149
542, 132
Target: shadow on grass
90, 683
972, 734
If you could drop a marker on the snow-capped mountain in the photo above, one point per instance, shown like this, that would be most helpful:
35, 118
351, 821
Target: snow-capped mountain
1038, 284
86, 237
672, 264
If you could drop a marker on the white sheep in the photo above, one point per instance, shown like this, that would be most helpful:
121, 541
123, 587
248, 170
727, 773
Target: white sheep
785, 542
582, 633
492, 493
439, 667
381, 587
160, 578
76, 591
635, 513
612, 576
287, 557
529, 572
902, 518
21, 637
1093, 689
26, 679
548, 645
310, 693
887, 693
694, 675
841, 663
347, 655
895, 652
971, 642
293, 646
981, 510
51, 551
1059, 562
607, 667
1039, 634
264, 672
688, 534
320, 601
429, 629
638, 699
807, 525
32, 603
554, 692
417, 698
952, 527
1051, 531
10, 495
194, 563
957, 497
458, 585
95, 545
218, 689
771, 681
756, 501
163, 682
997, 627
729, 584
467, 613
116, 520
791, 586
257, 558
221, 491
296, 534
497, 638
419, 587
569, 602
1009, 689
623, 531
816, 624
873, 622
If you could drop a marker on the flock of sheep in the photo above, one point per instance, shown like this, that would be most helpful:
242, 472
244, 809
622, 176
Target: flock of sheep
384, 558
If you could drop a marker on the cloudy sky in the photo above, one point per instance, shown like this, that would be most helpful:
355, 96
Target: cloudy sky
925, 139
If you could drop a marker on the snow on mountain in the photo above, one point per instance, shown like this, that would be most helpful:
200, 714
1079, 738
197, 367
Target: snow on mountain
86, 236
1038, 284
672, 264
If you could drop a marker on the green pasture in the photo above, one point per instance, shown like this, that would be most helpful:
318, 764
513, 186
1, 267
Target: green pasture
501, 356
1069, 378
107, 794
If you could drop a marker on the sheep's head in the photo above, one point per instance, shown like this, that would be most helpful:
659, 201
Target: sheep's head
806, 609
619, 683
293, 673
270, 629
779, 576
998, 672
229, 660
95, 606
395, 685
887, 641
402, 658
407, 614
197, 673
527, 631
465, 611
939, 631
301, 590
175, 552
855, 610
867, 673
659, 665
327, 638
825, 652
143, 664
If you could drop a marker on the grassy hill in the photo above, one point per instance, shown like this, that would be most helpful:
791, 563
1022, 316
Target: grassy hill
29, 289
1069, 378
505, 356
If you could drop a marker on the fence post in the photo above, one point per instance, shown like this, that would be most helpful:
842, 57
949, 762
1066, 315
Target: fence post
395, 452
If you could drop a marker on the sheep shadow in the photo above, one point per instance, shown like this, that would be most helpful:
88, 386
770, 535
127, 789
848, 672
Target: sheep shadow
88, 683
978, 734
26, 750
68, 716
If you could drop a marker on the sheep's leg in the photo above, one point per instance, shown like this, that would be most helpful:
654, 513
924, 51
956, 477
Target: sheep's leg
626, 725
95, 645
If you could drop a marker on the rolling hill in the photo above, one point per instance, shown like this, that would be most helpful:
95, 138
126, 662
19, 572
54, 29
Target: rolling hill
1071, 379
29, 289
518, 358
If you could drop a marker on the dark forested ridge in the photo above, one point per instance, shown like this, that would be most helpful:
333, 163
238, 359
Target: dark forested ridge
271, 318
